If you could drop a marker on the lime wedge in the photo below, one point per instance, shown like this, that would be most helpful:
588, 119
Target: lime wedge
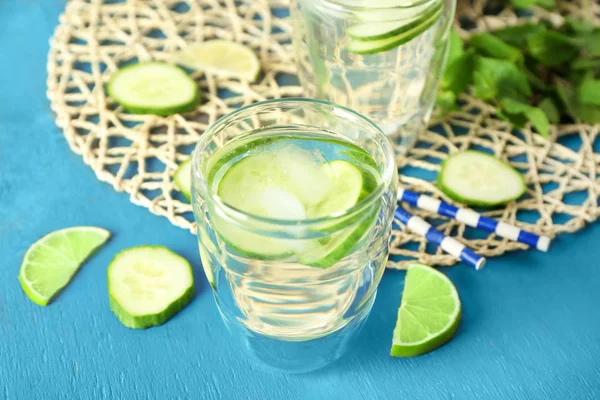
429, 313
220, 57
51, 262
183, 178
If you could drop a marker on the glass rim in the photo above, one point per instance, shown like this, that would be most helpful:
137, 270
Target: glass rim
343, 5
239, 215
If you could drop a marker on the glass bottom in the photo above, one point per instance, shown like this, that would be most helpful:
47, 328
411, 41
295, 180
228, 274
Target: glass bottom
300, 356
403, 133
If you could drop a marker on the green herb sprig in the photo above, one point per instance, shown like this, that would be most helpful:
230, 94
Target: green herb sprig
529, 73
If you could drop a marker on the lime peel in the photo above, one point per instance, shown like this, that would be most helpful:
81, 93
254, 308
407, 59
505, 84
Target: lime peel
429, 313
51, 262
221, 58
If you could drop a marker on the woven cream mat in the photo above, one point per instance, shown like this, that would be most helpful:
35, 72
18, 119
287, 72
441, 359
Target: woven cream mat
138, 154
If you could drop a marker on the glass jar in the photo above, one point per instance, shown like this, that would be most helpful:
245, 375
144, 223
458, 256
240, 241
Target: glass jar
382, 58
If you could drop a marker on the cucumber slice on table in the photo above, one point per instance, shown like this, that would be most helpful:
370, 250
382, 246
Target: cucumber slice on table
147, 285
154, 88
385, 29
479, 179
183, 178
378, 45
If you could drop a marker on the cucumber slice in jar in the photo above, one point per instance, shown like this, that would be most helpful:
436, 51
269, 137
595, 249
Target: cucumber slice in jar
384, 29
479, 179
365, 47
147, 285
153, 88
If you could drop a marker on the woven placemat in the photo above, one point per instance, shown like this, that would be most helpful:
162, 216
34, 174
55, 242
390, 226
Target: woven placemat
139, 153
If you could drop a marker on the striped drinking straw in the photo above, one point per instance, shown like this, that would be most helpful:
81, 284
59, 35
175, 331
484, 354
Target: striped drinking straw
471, 218
447, 243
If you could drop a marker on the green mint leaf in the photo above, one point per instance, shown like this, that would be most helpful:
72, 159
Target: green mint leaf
499, 78
589, 114
591, 43
534, 80
484, 85
552, 48
456, 47
539, 121
567, 96
489, 45
581, 112
459, 73
576, 25
446, 102
583, 64
517, 36
550, 109
534, 115
524, 4
588, 91
518, 120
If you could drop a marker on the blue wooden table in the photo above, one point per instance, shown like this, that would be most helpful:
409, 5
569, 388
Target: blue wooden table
530, 328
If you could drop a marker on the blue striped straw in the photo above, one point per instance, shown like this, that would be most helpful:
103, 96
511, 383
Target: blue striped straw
471, 218
448, 244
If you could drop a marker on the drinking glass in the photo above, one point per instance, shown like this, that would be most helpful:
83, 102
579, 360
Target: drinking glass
291, 315
391, 77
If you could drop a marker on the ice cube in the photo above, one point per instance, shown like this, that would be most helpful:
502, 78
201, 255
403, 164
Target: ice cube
276, 203
306, 174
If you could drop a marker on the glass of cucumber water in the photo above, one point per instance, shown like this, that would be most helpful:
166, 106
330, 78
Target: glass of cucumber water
383, 58
293, 200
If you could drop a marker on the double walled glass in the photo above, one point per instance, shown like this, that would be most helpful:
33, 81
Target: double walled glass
291, 315
382, 58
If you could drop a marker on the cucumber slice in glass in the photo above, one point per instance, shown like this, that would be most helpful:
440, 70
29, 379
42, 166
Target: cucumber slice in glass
332, 249
345, 192
479, 179
289, 168
395, 14
379, 45
380, 4
350, 185
154, 88
183, 178
278, 184
272, 203
147, 285
385, 29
